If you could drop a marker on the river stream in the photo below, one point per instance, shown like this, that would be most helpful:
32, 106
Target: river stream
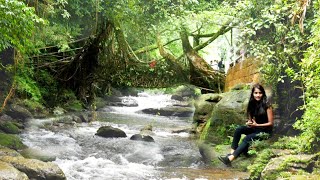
84, 156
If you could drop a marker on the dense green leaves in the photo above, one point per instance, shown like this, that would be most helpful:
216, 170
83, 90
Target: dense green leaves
17, 24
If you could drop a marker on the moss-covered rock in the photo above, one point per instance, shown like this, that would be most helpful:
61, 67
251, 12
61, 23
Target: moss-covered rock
35, 169
9, 127
110, 132
74, 106
260, 163
222, 125
11, 141
8, 172
203, 109
226, 114
204, 104
18, 112
290, 165
4, 151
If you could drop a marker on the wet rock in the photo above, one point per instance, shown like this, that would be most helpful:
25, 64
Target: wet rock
18, 112
35, 169
76, 119
8, 172
169, 111
177, 97
110, 132
139, 137
84, 118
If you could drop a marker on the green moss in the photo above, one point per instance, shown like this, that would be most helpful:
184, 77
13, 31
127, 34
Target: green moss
221, 126
9, 127
11, 141
73, 105
287, 142
33, 106
259, 164
205, 132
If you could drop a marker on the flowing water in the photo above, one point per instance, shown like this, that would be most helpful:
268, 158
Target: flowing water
84, 156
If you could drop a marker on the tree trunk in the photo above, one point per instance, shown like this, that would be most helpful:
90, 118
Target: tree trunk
171, 60
201, 73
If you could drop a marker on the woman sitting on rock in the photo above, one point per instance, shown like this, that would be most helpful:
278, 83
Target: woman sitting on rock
260, 121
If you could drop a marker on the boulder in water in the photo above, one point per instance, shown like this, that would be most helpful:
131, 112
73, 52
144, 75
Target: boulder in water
139, 137
170, 111
110, 132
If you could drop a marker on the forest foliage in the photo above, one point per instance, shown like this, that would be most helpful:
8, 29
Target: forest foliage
284, 34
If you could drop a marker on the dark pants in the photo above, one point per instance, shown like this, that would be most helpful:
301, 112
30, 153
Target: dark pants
251, 135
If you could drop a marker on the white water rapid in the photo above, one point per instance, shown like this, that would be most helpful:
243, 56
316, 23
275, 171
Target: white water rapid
84, 156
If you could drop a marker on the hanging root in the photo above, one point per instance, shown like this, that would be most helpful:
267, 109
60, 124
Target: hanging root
11, 92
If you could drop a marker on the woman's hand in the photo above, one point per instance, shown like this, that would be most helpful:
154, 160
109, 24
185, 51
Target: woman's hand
249, 122
252, 123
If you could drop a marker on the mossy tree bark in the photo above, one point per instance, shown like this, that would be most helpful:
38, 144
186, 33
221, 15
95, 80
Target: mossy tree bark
171, 60
201, 73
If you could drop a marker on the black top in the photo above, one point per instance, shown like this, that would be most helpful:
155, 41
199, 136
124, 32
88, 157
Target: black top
260, 115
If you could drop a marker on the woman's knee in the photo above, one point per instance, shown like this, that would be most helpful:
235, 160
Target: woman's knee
250, 137
240, 129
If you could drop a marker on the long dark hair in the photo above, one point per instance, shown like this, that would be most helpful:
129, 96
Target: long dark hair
257, 107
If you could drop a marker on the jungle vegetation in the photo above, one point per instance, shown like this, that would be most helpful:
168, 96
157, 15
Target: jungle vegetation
73, 50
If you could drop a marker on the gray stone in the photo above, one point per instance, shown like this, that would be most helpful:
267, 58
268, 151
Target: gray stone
18, 112
110, 132
169, 111
139, 137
